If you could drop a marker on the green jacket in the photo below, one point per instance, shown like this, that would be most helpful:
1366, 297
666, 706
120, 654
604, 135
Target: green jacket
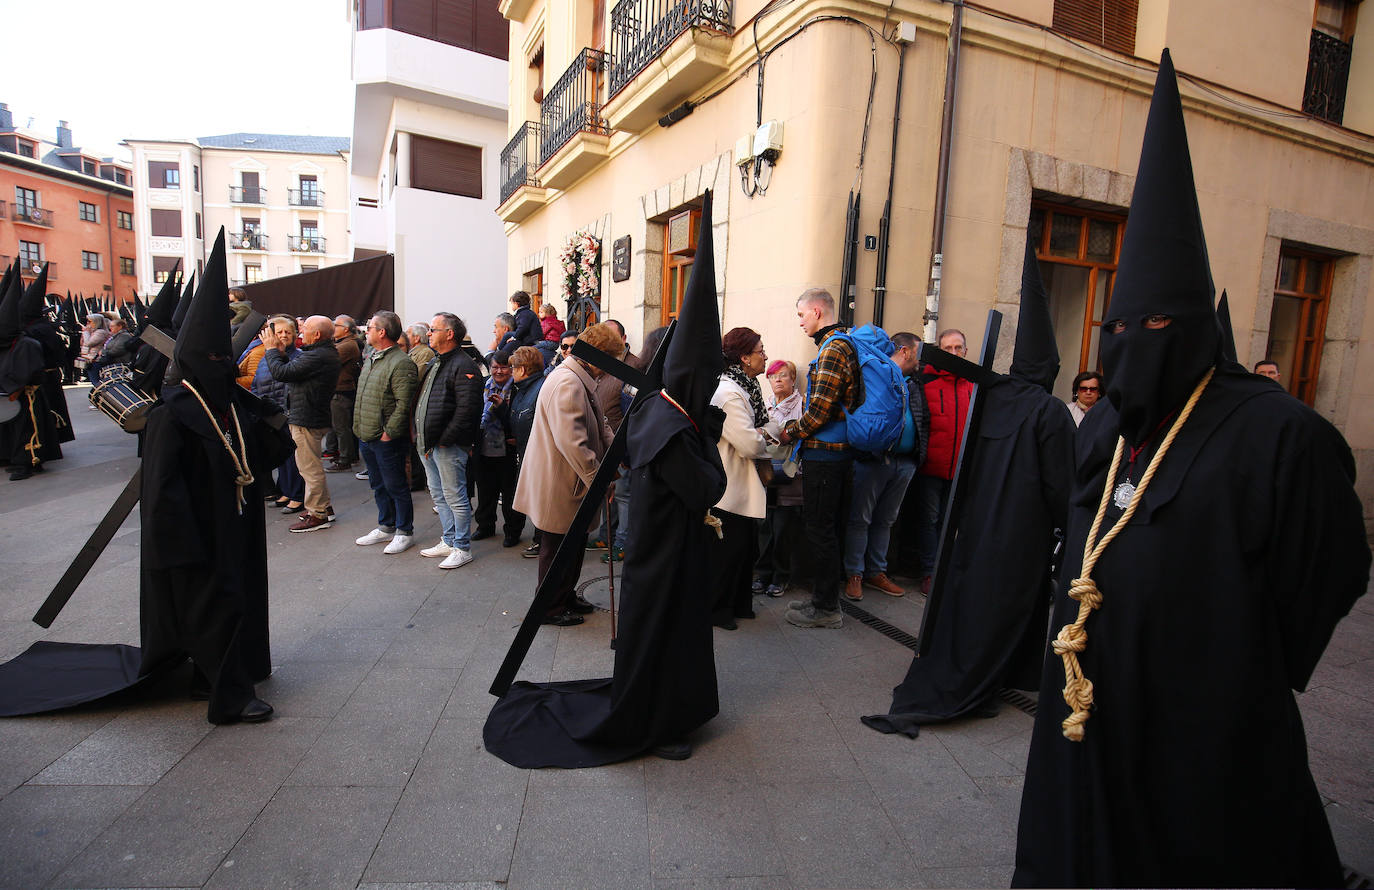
386, 392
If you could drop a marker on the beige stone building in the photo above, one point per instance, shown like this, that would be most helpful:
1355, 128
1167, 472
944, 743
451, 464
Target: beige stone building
621, 116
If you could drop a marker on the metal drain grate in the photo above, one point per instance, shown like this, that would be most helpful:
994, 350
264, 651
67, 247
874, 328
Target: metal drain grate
1019, 700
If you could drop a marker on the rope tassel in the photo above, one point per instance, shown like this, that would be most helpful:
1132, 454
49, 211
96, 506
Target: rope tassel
1072, 639
243, 477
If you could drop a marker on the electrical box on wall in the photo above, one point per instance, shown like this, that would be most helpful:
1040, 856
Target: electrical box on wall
744, 150
906, 32
768, 140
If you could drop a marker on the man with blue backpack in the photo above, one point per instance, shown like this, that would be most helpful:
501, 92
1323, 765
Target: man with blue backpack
833, 387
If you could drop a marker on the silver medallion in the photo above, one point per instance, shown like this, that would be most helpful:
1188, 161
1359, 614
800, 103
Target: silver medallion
1123, 494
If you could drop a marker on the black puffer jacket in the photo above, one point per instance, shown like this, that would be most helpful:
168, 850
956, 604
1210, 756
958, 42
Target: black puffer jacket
310, 376
527, 328
452, 397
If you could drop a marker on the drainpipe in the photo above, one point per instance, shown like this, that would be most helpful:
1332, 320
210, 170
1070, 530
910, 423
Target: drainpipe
885, 224
109, 235
937, 241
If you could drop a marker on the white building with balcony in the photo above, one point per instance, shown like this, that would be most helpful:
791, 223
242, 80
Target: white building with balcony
429, 124
282, 200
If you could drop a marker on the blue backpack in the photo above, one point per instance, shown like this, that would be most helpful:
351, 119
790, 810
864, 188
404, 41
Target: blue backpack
876, 425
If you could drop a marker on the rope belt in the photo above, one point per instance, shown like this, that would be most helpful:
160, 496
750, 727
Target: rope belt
1073, 638
243, 476
34, 443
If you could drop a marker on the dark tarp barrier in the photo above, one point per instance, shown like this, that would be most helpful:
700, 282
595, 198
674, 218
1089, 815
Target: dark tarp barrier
358, 289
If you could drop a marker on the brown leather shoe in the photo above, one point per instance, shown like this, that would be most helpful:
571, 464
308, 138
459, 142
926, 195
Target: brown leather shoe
881, 582
925, 585
852, 589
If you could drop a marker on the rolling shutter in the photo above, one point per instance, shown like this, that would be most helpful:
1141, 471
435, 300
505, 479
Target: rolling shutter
1106, 23
449, 167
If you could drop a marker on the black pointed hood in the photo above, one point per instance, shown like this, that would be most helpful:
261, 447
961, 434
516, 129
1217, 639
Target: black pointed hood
1036, 356
11, 324
184, 304
140, 312
1228, 338
202, 351
693, 365
163, 306
1163, 271
31, 306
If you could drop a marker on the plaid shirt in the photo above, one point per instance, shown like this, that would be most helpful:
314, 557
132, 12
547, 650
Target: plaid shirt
831, 391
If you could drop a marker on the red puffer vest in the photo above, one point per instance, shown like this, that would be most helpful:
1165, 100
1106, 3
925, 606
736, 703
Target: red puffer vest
948, 397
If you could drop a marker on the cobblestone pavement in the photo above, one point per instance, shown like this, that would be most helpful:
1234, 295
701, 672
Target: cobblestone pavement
373, 773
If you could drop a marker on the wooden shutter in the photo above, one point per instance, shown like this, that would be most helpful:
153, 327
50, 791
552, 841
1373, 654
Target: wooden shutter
491, 32
453, 22
449, 167
157, 173
165, 223
1107, 23
413, 17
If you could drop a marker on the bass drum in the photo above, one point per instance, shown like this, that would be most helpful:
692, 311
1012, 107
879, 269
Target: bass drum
118, 400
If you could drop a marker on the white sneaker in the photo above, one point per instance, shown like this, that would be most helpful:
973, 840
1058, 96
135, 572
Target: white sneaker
456, 559
376, 536
439, 549
400, 544
361, 474
436, 509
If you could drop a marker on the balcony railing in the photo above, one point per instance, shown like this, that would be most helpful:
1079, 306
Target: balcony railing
247, 194
519, 159
1328, 70
642, 29
305, 197
248, 241
4, 210
34, 216
306, 243
573, 105
31, 268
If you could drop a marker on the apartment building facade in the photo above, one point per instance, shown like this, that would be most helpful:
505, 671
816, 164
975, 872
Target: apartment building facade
282, 200
67, 207
429, 123
622, 113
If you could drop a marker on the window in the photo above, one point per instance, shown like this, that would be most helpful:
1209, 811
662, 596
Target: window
310, 268
121, 177
124, 219
195, 176
198, 231
89, 212
165, 223
450, 167
25, 199
1297, 323
1328, 59
310, 235
466, 24
25, 149
164, 175
88, 167
162, 267
532, 283
310, 191
1078, 251
1106, 23
679, 252
252, 273
126, 265
30, 254
90, 260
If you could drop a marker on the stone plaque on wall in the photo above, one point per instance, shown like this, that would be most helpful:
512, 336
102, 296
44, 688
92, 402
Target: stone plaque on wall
620, 259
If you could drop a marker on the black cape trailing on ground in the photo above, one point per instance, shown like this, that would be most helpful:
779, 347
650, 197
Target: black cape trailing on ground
1217, 598
664, 684
203, 560
990, 631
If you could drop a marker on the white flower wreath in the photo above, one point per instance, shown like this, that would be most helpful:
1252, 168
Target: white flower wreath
581, 260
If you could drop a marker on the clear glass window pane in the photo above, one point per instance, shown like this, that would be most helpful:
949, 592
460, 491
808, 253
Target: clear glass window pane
1283, 333
1288, 273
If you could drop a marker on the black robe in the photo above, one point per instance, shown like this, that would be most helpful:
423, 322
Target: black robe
990, 630
21, 366
54, 355
202, 577
1218, 600
664, 685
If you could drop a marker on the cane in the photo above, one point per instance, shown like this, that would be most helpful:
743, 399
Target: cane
610, 559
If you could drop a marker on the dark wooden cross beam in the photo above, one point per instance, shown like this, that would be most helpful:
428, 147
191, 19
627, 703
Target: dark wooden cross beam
571, 550
981, 374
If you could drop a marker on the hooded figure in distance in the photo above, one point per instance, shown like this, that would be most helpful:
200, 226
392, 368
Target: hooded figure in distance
33, 312
1176, 756
989, 630
32, 435
664, 685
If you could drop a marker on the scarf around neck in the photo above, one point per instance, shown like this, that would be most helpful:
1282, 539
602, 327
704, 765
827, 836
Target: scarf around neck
751, 386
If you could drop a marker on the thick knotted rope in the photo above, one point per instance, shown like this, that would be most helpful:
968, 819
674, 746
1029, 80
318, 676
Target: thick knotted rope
243, 476
35, 443
1073, 638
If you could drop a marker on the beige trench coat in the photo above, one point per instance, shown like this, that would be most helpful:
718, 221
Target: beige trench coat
567, 442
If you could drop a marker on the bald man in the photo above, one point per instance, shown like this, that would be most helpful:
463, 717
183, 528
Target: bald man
310, 376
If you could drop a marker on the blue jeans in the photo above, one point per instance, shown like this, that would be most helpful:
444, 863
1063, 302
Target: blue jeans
386, 473
879, 486
622, 503
933, 493
446, 471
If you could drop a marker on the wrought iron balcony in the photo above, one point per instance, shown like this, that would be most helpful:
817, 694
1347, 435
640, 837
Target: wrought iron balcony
1328, 70
306, 243
642, 29
305, 197
34, 216
573, 105
4, 210
247, 194
519, 159
248, 241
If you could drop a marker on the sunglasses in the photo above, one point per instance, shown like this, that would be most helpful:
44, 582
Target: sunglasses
1087, 389
565, 347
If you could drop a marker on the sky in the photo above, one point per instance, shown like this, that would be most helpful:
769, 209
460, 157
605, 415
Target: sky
160, 69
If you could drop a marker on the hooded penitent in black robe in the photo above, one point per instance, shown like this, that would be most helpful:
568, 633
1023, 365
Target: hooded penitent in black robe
31, 437
664, 684
1183, 761
203, 552
990, 629
33, 314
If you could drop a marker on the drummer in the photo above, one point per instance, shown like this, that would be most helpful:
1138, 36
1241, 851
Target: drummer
118, 350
